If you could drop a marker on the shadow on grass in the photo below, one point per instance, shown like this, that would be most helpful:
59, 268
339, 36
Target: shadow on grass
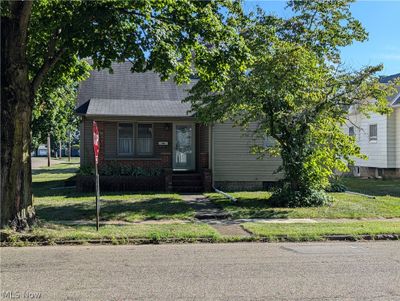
38, 172
155, 208
251, 208
375, 187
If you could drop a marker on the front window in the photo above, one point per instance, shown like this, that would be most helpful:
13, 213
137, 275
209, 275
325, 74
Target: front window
373, 132
144, 146
125, 139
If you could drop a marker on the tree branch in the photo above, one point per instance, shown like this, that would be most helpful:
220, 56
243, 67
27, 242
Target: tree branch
49, 64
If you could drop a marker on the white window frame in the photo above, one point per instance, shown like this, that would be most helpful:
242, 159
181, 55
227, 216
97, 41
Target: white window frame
373, 139
133, 140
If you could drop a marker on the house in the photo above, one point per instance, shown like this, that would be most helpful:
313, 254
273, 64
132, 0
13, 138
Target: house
41, 151
378, 138
143, 124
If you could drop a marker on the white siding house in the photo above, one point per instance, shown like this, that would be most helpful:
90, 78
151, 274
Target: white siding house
234, 167
379, 139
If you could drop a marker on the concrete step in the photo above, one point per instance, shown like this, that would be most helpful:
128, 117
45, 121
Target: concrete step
186, 176
186, 182
187, 188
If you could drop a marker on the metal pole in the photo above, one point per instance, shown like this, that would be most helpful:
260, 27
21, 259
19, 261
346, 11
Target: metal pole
69, 147
97, 198
48, 150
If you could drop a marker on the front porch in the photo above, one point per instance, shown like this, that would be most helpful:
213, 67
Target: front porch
175, 150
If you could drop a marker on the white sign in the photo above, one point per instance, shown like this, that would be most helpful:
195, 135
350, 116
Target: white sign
162, 142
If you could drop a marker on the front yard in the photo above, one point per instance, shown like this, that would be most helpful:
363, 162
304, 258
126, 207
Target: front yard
255, 205
67, 216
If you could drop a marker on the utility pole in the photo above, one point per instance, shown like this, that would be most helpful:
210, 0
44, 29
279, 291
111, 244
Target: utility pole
48, 150
69, 147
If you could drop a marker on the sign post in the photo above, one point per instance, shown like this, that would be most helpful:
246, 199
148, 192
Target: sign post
96, 148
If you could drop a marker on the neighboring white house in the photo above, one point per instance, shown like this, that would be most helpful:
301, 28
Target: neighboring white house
379, 139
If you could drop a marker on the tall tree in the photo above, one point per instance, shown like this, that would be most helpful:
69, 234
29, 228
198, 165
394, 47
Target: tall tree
296, 91
42, 41
54, 113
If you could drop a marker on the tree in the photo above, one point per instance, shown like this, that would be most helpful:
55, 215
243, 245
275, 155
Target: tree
296, 91
42, 41
54, 113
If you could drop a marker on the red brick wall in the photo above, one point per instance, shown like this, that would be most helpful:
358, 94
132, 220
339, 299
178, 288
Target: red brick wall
203, 146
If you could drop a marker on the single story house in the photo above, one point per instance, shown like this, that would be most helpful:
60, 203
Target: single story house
144, 125
378, 138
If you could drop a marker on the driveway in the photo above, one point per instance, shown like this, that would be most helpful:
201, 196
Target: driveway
241, 271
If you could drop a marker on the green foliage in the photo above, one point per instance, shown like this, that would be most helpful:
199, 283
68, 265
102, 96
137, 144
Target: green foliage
296, 91
86, 170
336, 185
171, 37
54, 113
115, 169
287, 197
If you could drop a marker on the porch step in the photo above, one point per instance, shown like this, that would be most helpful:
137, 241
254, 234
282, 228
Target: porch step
186, 176
187, 188
187, 182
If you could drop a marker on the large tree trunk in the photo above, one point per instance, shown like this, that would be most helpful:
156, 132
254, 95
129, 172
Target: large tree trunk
16, 114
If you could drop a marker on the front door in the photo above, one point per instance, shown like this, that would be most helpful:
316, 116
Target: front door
184, 150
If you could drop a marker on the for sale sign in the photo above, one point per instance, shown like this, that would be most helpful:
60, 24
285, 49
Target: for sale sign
96, 146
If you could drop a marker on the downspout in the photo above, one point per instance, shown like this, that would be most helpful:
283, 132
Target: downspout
211, 154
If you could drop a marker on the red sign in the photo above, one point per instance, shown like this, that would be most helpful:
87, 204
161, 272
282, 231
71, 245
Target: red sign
96, 142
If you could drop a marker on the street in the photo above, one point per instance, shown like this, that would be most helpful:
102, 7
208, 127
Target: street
237, 271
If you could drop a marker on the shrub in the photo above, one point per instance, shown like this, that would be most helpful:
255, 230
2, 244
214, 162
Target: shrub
285, 197
86, 170
114, 169
336, 185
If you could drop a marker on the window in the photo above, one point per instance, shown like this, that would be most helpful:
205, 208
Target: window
144, 146
351, 131
125, 139
373, 132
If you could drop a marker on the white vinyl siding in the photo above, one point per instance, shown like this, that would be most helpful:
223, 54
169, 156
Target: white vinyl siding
393, 138
232, 160
376, 151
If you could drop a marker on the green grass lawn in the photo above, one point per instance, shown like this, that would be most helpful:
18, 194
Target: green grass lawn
255, 205
317, 231
372, 186
56, 233
67, 215
65, 204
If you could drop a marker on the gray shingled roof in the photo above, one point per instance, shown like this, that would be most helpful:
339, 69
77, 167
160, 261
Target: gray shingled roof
133, 107
124, 93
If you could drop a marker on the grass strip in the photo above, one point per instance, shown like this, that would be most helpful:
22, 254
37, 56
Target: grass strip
319, 231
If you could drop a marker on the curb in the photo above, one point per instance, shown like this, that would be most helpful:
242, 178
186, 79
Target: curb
227, 239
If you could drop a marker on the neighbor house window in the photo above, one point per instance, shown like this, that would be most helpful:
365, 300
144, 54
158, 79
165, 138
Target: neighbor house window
144, 146
351, 131
373, 132
125, 139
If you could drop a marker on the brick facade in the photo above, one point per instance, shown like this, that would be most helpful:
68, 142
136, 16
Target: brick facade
162, 157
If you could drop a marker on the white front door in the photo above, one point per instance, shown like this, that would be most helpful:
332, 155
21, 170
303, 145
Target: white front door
183, 146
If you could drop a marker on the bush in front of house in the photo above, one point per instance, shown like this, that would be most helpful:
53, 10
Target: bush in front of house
286, 197
120, 170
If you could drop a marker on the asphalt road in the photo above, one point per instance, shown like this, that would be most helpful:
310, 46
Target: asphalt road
240, 271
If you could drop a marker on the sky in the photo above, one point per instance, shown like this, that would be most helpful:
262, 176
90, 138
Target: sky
380, 18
